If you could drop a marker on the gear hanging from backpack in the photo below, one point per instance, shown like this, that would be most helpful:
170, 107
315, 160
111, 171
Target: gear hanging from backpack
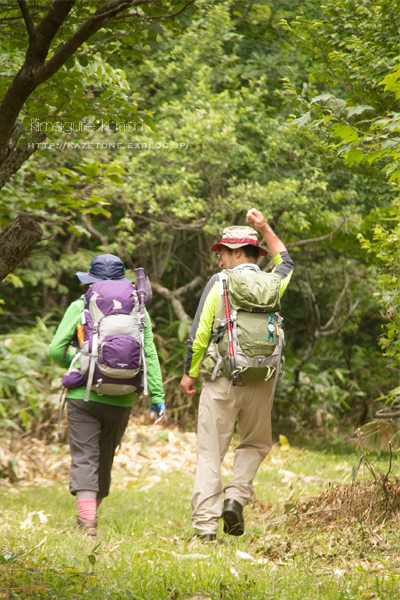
257, 334
111, 357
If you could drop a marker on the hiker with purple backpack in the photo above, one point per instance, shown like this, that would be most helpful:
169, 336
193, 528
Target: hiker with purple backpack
115, 359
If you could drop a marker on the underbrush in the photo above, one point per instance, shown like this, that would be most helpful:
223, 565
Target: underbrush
29, 381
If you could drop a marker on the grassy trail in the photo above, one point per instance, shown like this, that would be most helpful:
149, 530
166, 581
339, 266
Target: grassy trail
141, 551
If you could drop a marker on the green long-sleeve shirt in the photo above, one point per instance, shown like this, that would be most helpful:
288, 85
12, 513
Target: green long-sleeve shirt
59, 352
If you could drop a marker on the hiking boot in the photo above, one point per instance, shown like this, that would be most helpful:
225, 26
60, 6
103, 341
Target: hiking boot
88, 527
232, 515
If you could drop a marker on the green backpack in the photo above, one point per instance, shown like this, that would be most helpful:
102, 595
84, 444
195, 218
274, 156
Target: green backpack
258, 339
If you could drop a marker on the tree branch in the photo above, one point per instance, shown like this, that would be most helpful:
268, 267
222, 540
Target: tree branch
92, 229
321, 334
173, 297
17, 158
318, 239
39, 45
31, 72
27, 17
189, 286
16, 242
153, 18
36, 70
15, 135
337, 303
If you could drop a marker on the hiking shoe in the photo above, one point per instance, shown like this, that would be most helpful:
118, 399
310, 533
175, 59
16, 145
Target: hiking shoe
88, 527
232, 515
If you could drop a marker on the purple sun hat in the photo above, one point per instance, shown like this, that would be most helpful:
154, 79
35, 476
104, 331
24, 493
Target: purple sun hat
104, 266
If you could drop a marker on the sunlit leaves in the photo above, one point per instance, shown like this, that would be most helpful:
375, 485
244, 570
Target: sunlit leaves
352, 47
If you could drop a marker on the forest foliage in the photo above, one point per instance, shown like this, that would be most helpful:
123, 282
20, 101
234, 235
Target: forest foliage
270, 104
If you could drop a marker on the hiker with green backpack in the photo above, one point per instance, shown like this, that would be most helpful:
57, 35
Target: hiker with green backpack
237, 341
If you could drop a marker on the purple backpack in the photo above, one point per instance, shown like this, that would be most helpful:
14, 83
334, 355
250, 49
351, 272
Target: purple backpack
111, 358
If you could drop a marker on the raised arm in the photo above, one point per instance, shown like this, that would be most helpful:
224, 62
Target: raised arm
256, 219
283, 262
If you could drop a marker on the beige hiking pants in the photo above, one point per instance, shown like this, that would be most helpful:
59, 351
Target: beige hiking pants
220, 404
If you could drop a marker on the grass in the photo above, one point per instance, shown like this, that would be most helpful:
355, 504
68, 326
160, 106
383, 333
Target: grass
141, 551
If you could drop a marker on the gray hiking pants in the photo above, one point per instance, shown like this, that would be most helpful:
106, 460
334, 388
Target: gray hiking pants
220, 404
95, 430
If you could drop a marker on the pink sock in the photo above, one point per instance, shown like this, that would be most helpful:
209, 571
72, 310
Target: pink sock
87, 509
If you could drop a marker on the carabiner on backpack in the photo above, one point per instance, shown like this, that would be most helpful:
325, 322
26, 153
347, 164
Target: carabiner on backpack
271, 328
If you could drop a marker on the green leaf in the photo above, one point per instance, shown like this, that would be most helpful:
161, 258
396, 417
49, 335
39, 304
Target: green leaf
340, 375
8, 423
70, 63
395, 176
182, 331
357, 110
354, 157
301, 120
148, 122
322, 98
345, 132
155, 28
131, 596
391, 82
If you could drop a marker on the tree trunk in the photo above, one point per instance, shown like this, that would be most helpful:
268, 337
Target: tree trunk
16, 242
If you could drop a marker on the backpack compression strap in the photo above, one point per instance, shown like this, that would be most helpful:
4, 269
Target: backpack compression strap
230, 320
93, 358
278, 366
143, 353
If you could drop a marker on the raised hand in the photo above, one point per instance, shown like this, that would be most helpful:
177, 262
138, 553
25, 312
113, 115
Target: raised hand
255, 219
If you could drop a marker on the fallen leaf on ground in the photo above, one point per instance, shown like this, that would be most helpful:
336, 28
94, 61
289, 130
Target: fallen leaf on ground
190, 556
28, 522
244, 555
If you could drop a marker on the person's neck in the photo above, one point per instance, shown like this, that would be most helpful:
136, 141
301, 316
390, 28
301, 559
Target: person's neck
245, 261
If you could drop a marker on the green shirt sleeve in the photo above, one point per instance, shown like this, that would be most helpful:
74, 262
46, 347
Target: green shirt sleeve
65, 333
283, 268
154, 377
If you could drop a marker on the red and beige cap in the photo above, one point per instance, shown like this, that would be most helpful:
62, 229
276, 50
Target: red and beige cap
236, 237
